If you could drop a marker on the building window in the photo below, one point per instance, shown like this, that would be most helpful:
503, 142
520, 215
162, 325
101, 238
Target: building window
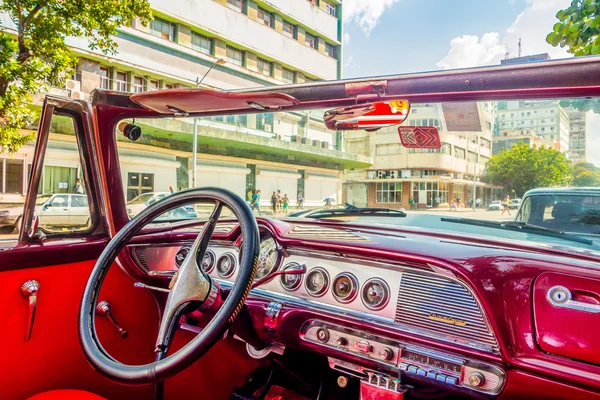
388, 192
330, 9
235, 56
330, 50
154, 85
169, 86
163, 29
201, 43
264, 67
388, 149
138, 84
139, 183
288, 76
237, 5
289, 30
446, 148
472, 157
265, 17
311, 41
104, 78
14, 176
459, 152
122, 82
264, 122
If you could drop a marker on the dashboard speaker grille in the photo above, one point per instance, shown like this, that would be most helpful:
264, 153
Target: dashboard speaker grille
444, 307
140, 255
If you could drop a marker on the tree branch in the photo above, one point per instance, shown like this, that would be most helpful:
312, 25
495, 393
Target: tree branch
35, 10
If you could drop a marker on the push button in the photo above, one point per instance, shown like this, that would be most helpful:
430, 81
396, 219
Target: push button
452, 380
421, 372
412, 369
431, 375
441, 377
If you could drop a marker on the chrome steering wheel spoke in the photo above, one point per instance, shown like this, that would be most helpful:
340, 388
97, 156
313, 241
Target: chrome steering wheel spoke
189, 284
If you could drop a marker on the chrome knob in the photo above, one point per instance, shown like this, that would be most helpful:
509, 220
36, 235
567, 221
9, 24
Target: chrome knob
476, 379
104, 310
370, 375
323, 335
341, 341
386, 353
29, 290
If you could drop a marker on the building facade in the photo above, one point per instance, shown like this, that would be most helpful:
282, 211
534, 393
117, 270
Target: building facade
577, 135
192, 44
544, 119
431, 177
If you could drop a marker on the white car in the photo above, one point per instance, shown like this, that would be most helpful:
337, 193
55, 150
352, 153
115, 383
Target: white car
64, 210
135, 206
495, 205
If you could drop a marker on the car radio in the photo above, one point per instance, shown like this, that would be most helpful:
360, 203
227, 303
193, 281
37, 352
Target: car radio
404, 358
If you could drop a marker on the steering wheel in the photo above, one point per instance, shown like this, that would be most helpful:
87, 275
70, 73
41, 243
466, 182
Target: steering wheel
189, 287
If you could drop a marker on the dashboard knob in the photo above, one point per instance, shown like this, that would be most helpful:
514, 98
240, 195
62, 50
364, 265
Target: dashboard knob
323, 335
341, 341
386, 353
476, 379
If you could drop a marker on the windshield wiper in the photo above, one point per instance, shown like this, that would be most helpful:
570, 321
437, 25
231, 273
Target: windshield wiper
355, 211
518, 227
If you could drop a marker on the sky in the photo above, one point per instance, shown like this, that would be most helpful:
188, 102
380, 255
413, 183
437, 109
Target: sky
384, 37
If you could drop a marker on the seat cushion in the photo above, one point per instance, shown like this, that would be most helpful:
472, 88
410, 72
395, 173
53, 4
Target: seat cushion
66, 394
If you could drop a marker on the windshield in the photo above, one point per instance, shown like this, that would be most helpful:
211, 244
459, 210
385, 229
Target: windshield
291, 165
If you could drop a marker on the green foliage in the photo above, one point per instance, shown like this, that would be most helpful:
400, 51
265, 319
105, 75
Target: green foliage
586, 175
36, 55
578, 28
523, 168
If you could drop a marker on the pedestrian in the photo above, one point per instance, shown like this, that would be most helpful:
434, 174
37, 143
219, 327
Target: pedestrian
458, 205
274, 202
78, 187
279, 201
477, 202
411, 201
328, 203
171, 190
256, 201
505, 204
437, 201
286, 202
300, 200
249, 195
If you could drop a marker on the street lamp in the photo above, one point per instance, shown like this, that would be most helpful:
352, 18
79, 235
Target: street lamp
219, 61
475, 164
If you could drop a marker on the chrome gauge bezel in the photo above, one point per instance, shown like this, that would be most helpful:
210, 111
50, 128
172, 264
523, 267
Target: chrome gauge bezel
233, 265
354, 289
212, 263
282, 278
386, 297
325, 286
263, 238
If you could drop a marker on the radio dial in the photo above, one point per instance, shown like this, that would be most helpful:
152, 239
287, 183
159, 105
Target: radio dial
386, 353
323, 335
476, 379
341, 341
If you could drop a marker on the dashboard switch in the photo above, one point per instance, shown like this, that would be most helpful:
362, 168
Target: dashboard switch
441, 377
323, 335
386, 353
421, 372
363, 346
412, 369
341, 341
476, 379
452, 380
431, 375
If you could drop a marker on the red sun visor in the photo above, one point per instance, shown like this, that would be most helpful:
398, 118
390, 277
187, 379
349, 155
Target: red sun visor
194, 101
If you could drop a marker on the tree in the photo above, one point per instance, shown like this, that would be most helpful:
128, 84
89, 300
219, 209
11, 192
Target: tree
586, 174
578, 28
35, 55
522, 168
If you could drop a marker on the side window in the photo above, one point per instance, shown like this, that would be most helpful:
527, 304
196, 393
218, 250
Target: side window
61, 178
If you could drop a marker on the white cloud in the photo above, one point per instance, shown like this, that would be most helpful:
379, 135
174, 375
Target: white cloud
467, 51
346, 38
365, 13
532, 26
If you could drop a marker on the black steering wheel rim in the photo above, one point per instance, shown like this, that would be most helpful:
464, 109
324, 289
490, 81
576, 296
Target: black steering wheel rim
183, 358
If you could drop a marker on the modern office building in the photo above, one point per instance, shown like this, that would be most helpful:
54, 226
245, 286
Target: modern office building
220, 44
448, 173
544, 119
577, 135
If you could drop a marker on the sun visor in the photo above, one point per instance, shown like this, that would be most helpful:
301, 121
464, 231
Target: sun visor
194, 101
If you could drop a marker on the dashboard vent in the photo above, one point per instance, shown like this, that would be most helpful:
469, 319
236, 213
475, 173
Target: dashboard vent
444, 307
309, 232
140, 255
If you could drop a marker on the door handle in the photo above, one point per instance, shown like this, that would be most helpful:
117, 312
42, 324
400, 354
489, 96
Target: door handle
560, 296
29, 290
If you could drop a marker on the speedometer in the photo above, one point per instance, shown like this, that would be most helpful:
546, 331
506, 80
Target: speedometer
267, 259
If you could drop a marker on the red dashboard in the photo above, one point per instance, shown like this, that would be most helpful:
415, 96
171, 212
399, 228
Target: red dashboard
469, 316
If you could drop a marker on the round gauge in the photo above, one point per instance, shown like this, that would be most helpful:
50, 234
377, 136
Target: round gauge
317, 282
181, 255
345, 287
375, 294
208, 262
291, 282
226, 265
267, 258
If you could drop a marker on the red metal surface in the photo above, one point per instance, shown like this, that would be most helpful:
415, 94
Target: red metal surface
367, 116
371, 392
419, 137
567, 332
204, 100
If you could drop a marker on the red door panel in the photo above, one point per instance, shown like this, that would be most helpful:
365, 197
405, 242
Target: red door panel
52, 358
567, 316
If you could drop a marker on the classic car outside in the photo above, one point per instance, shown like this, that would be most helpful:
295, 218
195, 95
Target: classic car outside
514, 204
136, 205
353, 303
62, 210
495, 205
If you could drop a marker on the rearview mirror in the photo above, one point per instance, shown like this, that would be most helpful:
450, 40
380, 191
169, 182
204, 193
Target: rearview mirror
370, 117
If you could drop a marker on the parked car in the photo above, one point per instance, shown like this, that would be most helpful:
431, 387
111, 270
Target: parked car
9, 218
62, 210
139, 203
514, 204
572, 210
495, 205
